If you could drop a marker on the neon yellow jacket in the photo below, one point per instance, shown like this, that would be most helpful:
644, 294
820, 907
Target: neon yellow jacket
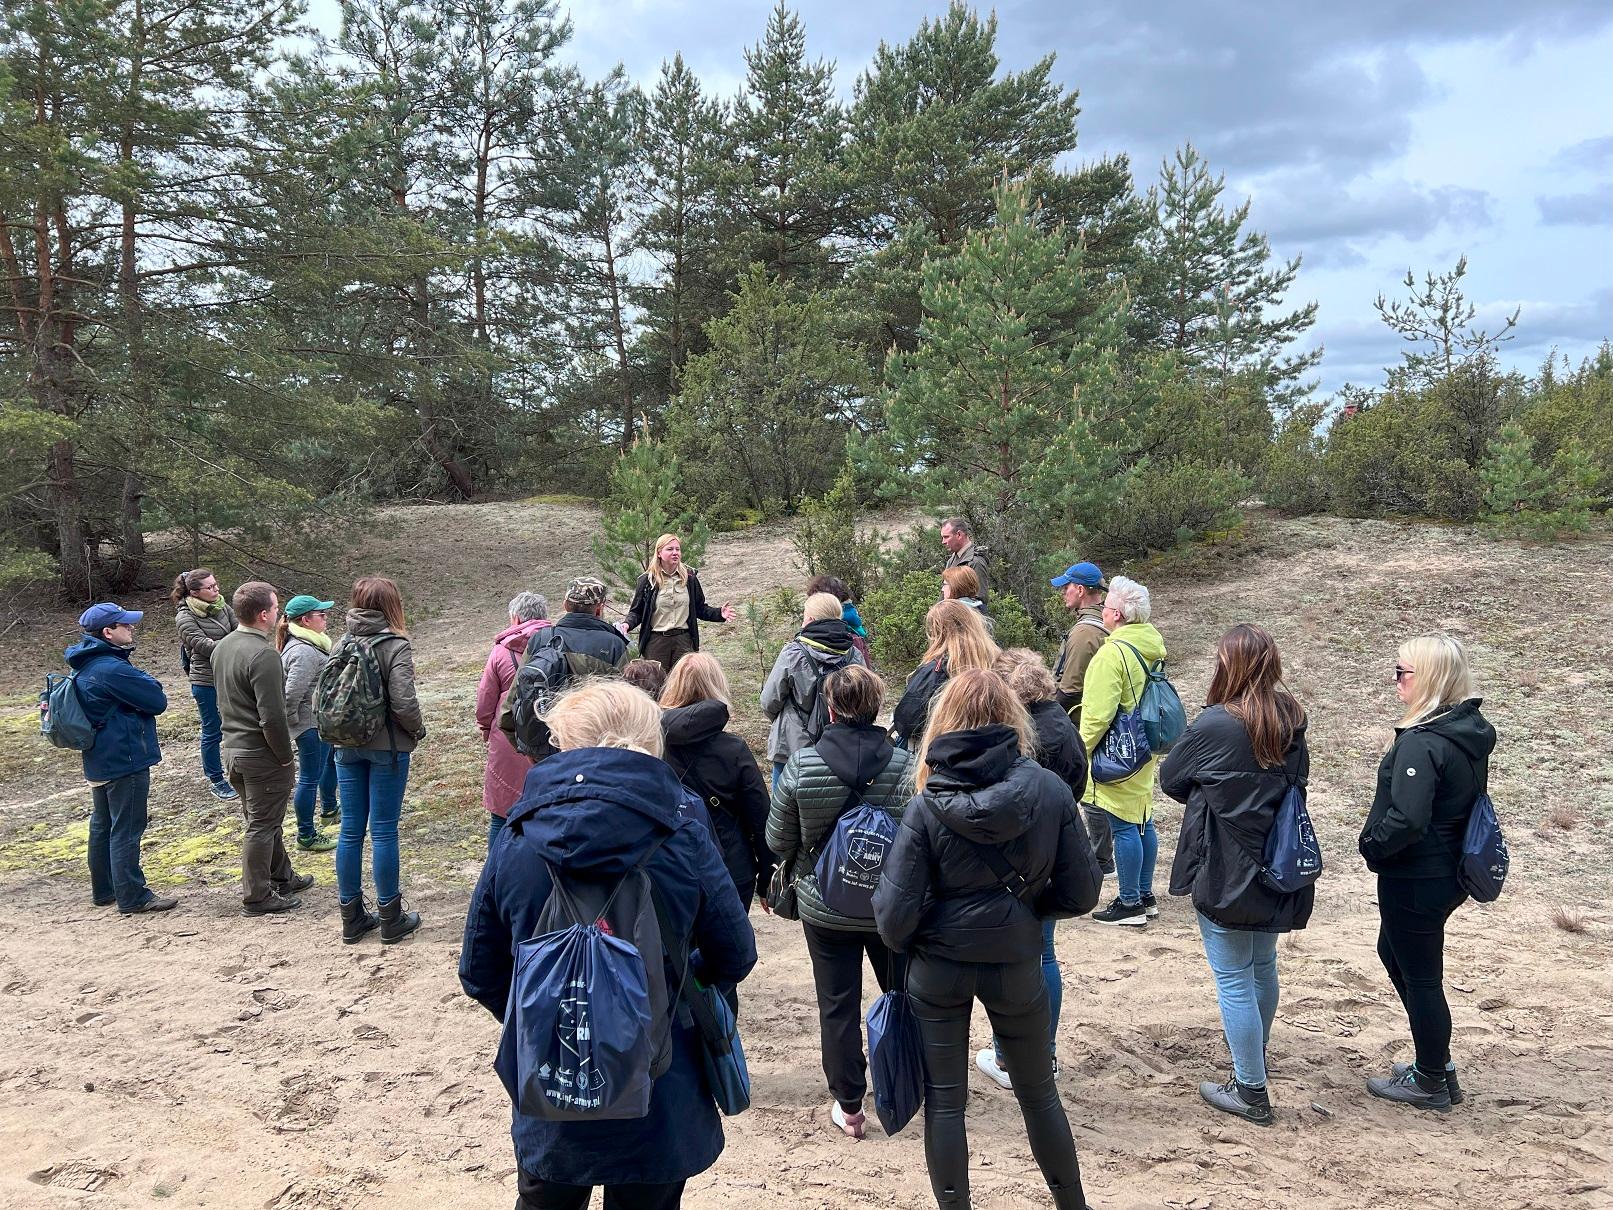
1114, 682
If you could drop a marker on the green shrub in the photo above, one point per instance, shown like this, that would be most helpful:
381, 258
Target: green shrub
1160, 506
827, 541
895, 613
1524, 498
1295, 478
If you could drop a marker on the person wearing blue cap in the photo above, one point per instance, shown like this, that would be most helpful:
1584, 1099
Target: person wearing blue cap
123, 703
1084, 590
304, 651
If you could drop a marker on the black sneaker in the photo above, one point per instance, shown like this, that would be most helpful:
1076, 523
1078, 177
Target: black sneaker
1150, 906
1133, 914
223, 791
157, 903
271, 905
299, 882
1451, 1086
1410, 1087
1251, 1104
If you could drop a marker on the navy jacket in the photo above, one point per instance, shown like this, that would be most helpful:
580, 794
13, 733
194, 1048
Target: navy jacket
937, 895
593, 812
123, 703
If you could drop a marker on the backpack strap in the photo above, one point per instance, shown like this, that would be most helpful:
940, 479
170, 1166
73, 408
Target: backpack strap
570, 901
1010, 878
688, 1006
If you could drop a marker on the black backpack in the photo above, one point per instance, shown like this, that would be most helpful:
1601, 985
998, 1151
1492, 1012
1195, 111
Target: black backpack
544, 673
817, 710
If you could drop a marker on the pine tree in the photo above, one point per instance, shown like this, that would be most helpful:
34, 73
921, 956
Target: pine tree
1517, 489
1211, 295
1437, 320
644, 503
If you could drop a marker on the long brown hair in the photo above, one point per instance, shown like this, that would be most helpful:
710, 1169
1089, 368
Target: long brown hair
1248, 682
382, 595
187, 582
956, 632
974, 697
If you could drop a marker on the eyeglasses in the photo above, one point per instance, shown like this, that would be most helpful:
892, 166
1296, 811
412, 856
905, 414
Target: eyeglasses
1402, 673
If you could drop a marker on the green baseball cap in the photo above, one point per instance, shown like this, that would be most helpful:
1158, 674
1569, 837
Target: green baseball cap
303, 603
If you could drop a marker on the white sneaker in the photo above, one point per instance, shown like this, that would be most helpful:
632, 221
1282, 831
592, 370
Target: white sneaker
986, 1061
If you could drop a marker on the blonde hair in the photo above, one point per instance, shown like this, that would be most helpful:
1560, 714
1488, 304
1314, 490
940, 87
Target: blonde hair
654, 569
956, 632
975, 697
1442, 680
821, 607
606, 712
1026, 674
697, 677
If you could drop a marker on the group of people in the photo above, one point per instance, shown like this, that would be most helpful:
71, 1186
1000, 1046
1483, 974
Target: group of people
983, 770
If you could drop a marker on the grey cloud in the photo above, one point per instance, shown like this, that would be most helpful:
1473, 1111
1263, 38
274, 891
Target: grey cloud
1317, 210
1587, 155
1593, 208
1543, 325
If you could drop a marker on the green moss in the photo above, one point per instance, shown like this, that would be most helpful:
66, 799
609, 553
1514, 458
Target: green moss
177, 861
560, 498
42, 849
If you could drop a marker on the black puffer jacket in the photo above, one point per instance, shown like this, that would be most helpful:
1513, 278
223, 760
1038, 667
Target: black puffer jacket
1058, 745
1427, 784
913, 710
720, 769
1231, 806
938, 896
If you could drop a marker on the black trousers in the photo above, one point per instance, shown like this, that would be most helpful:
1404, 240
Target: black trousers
546, 1195
1411, 944
837, 973
1015, 997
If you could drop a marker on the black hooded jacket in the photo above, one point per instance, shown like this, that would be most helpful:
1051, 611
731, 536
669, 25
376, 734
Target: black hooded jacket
1427, 785
939, 896
721, 771
1231, 806
1058, 745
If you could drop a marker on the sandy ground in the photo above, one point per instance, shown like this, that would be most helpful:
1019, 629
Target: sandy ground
201, 1059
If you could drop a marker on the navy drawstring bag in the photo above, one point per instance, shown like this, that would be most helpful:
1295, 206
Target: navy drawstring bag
1485, 860
1292, 859
895, 1060
848, 868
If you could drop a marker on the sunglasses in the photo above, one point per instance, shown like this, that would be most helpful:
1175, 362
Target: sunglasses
1402, 673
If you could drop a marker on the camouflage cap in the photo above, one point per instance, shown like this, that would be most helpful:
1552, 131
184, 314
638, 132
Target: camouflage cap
587, 591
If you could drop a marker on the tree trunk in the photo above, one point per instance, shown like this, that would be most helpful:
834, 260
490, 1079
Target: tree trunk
626, 383
132, 545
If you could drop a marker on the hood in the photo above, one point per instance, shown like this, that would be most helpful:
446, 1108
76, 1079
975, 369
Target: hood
597, 809
1465, 727
1143, 637
695, 723
980, 786
91, 647
856, 753
829, 637
514, 639
366, 622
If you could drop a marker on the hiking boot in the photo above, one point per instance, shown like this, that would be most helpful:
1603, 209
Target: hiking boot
986, 1061
223, 791
1133, 914
1251, 1104
274, 903
357, 920
1150, 906
396, 924
297, 882
157, 903
1412, 1087
319, 842
1451, 1086
330, 813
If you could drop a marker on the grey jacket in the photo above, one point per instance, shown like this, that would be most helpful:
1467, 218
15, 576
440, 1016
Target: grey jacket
396, 657
810, 796
197, 636
789, 695
303, 663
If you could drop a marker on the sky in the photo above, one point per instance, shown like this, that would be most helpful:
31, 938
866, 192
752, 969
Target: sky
1371, 137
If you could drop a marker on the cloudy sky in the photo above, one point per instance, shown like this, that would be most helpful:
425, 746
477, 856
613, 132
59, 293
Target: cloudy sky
1372, 136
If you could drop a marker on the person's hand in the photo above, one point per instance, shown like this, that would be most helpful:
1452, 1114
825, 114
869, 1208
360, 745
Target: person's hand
622, 626
767, 908
727, 611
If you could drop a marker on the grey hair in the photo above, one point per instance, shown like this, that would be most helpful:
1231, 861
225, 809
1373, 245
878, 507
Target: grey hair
1130, 598
529, 607
958, 526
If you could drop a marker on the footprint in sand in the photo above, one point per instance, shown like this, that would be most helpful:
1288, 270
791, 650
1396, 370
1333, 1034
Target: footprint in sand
82, 1175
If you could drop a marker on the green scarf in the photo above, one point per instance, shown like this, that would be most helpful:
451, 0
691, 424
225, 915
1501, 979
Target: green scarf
313, 637
204, 610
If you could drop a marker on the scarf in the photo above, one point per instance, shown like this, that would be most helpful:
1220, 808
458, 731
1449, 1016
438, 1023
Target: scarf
204, 610
312, 637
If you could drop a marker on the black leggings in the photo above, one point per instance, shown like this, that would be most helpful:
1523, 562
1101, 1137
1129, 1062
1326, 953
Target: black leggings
1411, 944
1015, 997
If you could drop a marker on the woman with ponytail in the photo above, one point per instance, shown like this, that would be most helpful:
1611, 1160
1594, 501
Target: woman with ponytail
202, 618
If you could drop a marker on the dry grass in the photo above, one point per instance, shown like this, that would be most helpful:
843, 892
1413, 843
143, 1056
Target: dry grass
1563, 817
1569, 920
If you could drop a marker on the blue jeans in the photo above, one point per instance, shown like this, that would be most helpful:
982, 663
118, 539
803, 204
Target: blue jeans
316, 777
212, 731
371, 785
1136, 851
1245, 967
1054, 978
778, 772
117, 823
495, 825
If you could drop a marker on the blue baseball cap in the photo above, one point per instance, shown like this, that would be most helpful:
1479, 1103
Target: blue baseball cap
98, 617
1086, 575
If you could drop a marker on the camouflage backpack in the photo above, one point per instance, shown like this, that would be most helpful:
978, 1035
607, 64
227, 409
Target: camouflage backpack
350, 697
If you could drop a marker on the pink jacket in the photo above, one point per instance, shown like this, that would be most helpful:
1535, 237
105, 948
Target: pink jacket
506, 768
